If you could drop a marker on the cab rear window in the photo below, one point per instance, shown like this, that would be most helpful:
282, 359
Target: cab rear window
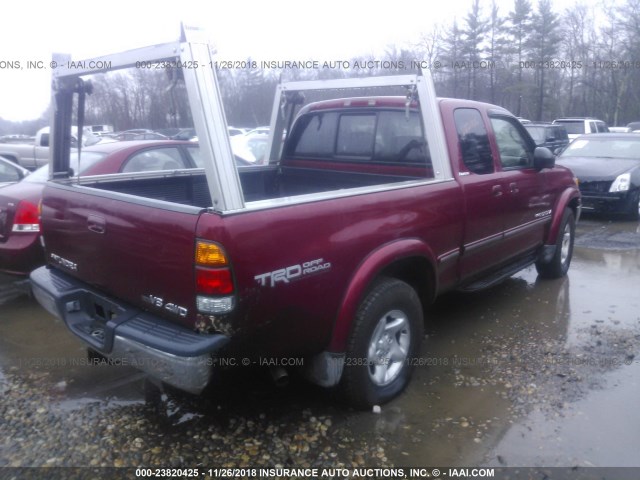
388, 136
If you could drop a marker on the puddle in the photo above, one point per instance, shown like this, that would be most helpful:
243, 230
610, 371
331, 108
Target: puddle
600, 430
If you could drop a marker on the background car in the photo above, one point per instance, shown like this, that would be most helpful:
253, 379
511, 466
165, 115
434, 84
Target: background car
582, 126
20, 248
250, 149
130, 136
633, 126
607, 166
233, 131
185, 134
554, 137
259, 131
11, 172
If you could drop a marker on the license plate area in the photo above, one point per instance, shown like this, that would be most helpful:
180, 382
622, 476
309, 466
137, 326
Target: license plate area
94, 319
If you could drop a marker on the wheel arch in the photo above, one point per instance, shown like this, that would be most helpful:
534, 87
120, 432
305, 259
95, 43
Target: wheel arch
570, 198
409, 260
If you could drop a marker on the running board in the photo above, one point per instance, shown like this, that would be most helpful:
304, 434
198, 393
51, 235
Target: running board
500, 275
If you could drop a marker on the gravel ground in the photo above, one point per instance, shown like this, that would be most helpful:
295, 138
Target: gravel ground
272, 429
38, 431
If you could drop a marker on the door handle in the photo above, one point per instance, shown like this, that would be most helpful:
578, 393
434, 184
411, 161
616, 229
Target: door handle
513, 187
496, 190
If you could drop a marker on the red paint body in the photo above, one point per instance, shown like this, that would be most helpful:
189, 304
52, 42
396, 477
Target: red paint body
443, 234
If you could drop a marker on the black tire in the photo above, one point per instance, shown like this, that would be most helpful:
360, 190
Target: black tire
390, 317
633, 212
559, 264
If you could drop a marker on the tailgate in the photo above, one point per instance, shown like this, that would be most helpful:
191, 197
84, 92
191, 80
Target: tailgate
135, 249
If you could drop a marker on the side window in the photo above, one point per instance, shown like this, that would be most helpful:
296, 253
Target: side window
515, 151
474, 141
400, 138
602, 127
592, 127
561, 133
154, 159
318, 135
355, 135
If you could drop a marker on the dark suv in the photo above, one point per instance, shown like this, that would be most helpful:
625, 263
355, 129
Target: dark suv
554, 137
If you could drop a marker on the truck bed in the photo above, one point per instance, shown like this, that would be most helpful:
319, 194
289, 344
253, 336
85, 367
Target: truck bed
258, 183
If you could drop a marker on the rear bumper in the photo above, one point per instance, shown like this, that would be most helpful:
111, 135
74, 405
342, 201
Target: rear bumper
168, 352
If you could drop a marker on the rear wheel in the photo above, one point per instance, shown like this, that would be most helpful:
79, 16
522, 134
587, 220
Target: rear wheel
385, 338
559, 264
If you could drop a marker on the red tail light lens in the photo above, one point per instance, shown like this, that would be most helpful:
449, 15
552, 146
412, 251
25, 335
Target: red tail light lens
214, 281
26, 218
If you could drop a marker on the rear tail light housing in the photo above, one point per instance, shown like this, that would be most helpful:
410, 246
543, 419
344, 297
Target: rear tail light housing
215, 290
26, 218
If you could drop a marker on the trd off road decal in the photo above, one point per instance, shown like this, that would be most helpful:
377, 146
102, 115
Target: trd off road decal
292, 273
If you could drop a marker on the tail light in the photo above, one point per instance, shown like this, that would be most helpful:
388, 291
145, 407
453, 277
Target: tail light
214, 280
27, 218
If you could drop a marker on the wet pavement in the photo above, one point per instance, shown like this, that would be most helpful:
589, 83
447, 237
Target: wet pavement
529, 373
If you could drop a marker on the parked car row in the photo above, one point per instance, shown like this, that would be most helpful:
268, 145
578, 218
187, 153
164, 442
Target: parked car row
576, 126
605, 160
557, 135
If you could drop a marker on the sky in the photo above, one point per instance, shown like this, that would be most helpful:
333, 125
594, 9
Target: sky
263, 30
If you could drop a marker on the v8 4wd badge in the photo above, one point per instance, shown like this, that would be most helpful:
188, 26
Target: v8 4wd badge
170, 307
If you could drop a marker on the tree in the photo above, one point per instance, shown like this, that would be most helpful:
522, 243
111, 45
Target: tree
430, 47
495, 38
628, 21
452, 49
519, 32
617, 80
473, 35
544, 41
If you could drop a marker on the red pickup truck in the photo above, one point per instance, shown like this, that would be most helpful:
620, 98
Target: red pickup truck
370, 208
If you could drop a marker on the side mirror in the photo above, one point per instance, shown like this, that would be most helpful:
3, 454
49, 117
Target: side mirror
543, 158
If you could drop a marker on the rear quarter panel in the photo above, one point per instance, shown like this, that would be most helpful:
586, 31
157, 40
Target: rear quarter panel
297, 315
